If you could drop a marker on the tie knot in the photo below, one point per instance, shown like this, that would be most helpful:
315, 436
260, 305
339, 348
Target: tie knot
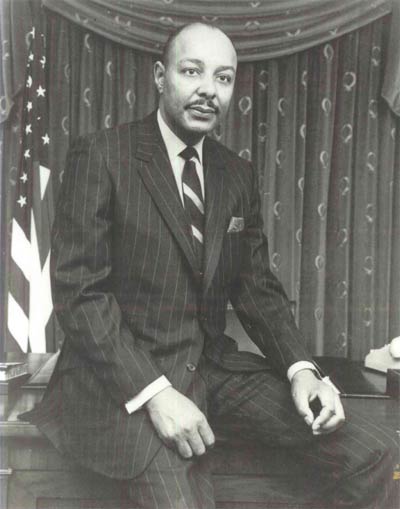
188, 153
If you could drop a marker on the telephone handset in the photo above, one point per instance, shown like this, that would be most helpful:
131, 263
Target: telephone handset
387, 357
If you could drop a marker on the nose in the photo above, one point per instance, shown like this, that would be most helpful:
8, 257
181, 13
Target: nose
207, 87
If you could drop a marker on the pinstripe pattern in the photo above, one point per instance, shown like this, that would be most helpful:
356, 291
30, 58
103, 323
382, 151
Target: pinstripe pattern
169, 482
132, 301
352, 467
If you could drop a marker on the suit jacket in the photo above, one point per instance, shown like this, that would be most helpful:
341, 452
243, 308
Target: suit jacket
133, 303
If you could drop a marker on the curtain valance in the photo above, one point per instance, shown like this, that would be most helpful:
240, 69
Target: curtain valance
261, 29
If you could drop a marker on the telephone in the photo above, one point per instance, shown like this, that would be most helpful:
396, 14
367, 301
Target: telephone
387, 357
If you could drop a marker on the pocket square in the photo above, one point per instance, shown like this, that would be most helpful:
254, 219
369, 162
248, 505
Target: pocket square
236, 225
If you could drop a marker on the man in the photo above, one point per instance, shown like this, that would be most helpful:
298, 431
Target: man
157, 227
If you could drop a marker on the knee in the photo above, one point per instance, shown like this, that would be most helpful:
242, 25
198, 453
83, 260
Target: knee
372, 480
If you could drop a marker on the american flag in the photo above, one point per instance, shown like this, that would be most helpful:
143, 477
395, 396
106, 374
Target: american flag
29, 296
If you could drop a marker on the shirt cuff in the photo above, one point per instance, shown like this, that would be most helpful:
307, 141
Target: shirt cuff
298, 366
147, 393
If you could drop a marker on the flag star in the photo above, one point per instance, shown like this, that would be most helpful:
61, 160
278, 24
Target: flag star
24, 177
46, 139
31, 57
29, 82
28, 129
22, 201
43, 61
27, 153
40, 91
29, 105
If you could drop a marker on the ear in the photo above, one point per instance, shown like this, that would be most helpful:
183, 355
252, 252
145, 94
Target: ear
159, 75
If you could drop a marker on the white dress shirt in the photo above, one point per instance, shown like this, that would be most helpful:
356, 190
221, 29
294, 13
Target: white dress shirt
174, 147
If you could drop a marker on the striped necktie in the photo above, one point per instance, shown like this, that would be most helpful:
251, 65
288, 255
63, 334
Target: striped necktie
193, 199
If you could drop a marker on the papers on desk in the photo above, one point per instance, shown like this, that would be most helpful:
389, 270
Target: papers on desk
10, 370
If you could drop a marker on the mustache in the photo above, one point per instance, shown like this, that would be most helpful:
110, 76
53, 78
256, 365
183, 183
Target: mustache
204, 104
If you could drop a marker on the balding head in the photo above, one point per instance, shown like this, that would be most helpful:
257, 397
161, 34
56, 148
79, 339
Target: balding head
169, 49
196, 79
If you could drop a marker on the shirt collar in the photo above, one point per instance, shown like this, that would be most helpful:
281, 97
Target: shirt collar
174, 144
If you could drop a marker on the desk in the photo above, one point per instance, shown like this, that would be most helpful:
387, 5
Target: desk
34, 476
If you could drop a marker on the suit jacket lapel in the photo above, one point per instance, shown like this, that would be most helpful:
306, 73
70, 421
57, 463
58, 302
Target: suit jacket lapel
216, 191
156, 172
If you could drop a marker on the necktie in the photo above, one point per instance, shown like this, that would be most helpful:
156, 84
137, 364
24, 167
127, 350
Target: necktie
193, 200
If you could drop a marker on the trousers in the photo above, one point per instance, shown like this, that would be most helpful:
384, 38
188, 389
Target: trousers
350, 468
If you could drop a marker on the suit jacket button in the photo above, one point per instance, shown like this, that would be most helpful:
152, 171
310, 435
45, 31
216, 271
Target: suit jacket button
190, 367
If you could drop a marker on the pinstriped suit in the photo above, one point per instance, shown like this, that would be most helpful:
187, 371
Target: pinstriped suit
132, 301
134, 304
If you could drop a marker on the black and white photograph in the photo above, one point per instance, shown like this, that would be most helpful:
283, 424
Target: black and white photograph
200, 254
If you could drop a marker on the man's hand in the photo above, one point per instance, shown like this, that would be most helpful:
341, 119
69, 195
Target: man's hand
179, 423
306, 388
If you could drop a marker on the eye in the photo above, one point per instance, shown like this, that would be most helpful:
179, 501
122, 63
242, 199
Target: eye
190, 71
225, 78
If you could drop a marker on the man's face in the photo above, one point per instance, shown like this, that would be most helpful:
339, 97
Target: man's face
197, 81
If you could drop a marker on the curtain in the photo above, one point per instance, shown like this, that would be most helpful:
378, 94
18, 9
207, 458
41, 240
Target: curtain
326, 147
391, 84
260, 29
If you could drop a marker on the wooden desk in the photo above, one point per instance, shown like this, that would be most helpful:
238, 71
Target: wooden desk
34, 476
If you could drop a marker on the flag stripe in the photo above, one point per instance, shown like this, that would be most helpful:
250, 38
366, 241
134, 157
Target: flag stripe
44, 174
21, 249
18, 323
19, 291
43, 211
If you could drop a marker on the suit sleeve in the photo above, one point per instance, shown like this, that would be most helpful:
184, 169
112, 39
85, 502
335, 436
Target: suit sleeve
260, 300
81, 268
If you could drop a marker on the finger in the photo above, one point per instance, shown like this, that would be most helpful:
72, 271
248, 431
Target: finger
206, 434
184, 449
196, 443
302, 405
336, 420
332, 426
339, 412
330, 403
326, 413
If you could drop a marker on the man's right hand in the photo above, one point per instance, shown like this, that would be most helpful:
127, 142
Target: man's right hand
179, 423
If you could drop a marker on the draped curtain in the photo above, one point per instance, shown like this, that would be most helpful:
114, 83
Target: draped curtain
325, 144
261, 28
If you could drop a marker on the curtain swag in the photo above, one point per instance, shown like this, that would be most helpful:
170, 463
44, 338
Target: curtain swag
260, 29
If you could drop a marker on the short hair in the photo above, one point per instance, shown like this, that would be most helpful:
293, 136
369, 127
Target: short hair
173, 35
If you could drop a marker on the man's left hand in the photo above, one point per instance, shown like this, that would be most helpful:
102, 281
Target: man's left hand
306, 387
